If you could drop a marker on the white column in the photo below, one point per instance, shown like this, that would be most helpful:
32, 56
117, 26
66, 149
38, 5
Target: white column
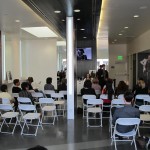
70, 68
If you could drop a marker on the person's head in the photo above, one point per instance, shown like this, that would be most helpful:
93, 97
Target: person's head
25, 86
38, 147
88, 76
30, 79
49, 80
128, 96
95, 81
88, 84
4, 88
103, 66
142, 84
122, 85
16, 82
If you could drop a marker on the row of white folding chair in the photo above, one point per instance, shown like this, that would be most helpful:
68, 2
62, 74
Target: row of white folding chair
7, 112
28, 118
142, 98
94, 106
49, 92
115, 103
126, 122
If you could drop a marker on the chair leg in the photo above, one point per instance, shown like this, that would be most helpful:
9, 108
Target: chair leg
134, 143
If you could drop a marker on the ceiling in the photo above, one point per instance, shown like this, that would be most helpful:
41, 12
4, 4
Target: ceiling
115, 15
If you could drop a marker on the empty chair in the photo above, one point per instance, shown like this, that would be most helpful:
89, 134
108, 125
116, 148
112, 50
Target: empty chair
48, 93
47, 105
29, 116
8, 114
94, 106
139, 99
60, 103
84, 102
126, 122
37, 95
64, 93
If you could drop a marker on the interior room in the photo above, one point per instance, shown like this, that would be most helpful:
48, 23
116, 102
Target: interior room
71, 40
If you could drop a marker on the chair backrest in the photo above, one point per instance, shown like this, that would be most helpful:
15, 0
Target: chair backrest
37, 94
46, 101
128, 121
63, 92
121, 96
24, 100
57, 95
15, 95
6, 107
26, 107
95, 101
147, 99
142, 96
116, 102
5, 101
98, 92
49, 92
88, 96
144, 108
103, 96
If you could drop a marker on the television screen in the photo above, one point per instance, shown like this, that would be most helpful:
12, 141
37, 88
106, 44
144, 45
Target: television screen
84, 53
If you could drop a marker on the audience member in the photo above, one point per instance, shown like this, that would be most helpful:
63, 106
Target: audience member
95, 84
30, 80
121, 89
5, 94
63, 86
88, 77
24, 92
126, 112
48, 85
16, 88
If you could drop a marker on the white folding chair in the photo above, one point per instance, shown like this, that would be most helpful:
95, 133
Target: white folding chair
47, 105
121, 96
37, 95
24, 100
94, 106
126, 122
145, 118
85, 98
64, 93
8, 114
29, 116
140, 98
115, 103
48, 93
59, 102
146, 100
5, 101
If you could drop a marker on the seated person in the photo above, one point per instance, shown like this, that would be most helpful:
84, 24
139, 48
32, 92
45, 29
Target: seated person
63, 86
48, 85
95, 84
24, 92
5, 94
16, 88
30, 80
126, 112
87, 89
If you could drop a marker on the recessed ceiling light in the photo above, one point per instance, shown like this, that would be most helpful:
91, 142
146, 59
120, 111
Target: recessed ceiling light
41, 32
57, 11
84, 37
63, 20
17, 20
126, 27
143, 7
119, 34
82, 29
76, 10
78, 19
115, 40
136, 16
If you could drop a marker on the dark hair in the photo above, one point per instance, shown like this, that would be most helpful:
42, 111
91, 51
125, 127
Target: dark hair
38, 147
122, 86
3, 87
49, 80
24, 85
87, 84
15, 81
109, 89
128, 96
30, 79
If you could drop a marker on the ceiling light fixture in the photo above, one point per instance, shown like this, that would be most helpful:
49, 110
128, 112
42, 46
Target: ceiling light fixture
136, 16
115, 40
57, 11
126, 27
63, 20
82, 29
17, 20
84, 37
76, 10
78, 19
119, 34
143, 7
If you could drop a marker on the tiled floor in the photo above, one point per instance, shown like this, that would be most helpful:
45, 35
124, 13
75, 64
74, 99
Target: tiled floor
64, 135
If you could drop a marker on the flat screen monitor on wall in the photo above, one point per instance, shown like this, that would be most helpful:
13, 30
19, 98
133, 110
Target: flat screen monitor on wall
84, 53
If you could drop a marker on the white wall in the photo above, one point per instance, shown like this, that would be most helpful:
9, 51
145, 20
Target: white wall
39, 60
120, 70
